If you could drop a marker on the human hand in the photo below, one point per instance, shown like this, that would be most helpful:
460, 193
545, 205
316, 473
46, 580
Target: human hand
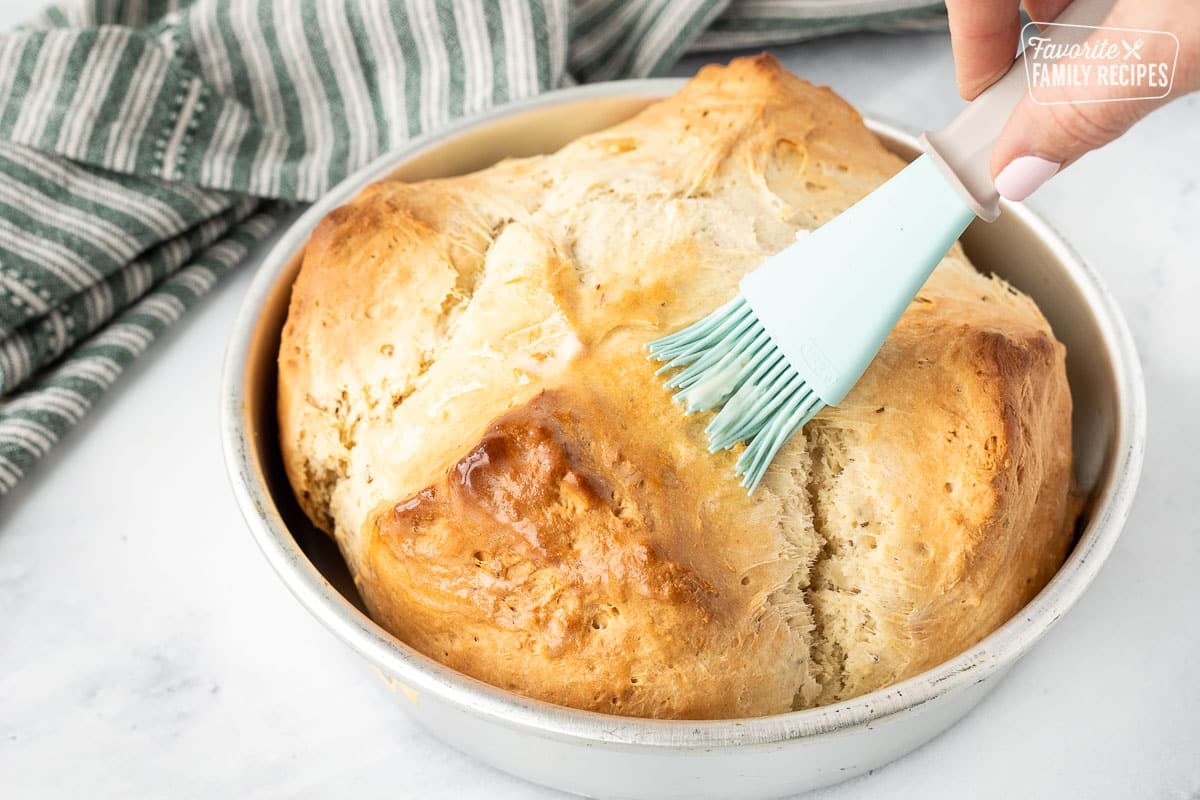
1040, 139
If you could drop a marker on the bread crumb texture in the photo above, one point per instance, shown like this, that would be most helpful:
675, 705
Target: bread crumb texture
466, 405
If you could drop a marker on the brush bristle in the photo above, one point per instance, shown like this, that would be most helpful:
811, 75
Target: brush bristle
728, 360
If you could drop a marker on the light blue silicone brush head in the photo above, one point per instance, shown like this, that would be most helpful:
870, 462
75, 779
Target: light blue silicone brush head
728, 360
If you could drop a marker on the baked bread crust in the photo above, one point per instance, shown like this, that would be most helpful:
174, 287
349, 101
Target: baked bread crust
464, 402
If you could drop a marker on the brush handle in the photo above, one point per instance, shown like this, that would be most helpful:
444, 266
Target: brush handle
963, 149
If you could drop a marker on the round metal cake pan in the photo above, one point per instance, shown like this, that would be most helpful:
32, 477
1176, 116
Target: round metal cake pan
607, 756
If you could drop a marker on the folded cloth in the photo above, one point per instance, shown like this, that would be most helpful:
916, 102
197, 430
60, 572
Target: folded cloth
147, 145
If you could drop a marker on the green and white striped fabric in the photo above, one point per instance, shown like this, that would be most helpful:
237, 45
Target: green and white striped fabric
147, 145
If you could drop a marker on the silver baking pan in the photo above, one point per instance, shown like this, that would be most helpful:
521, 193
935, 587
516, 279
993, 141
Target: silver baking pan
606, 756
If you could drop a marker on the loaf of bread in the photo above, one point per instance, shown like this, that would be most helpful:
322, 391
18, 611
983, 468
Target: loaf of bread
465, 403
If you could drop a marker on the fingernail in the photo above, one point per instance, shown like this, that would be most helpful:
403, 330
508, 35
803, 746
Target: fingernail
1023, 176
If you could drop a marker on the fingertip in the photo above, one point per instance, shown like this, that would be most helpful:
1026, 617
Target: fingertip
983, 36
967, 90
973, 75
970, 88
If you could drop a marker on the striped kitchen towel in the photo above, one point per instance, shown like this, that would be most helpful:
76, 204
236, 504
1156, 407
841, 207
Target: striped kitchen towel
147, 145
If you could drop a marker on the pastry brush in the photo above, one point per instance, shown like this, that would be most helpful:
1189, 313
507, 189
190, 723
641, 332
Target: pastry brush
809, 320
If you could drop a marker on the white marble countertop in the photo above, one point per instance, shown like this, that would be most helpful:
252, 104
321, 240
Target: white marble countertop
146, 648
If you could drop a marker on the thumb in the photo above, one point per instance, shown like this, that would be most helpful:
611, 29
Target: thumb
1039, 140
1077, 104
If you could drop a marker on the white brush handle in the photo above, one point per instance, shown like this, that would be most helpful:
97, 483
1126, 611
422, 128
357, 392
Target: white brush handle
963, 149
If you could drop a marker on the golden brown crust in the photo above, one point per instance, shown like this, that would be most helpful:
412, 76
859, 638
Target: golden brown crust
466, 405
567, 563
